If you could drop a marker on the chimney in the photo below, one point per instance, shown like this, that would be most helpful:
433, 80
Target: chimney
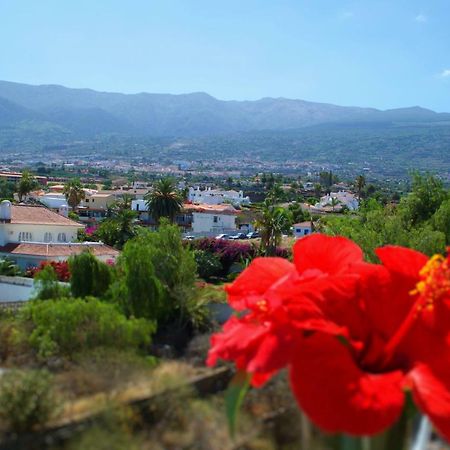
5, 210
63, 210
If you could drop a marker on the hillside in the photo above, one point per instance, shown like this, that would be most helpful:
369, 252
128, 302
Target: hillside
84, 112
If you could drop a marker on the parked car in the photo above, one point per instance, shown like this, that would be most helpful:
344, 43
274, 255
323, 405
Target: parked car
253, 235
222, 236
189, 238
238, 236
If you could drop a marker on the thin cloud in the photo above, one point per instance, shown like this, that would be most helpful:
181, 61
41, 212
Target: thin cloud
421, 18
445, 73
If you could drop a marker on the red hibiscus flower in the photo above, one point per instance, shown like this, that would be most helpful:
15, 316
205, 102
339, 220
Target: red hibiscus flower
354, 336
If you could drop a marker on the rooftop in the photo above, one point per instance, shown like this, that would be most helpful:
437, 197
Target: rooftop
54, 249
214, 209
39, 215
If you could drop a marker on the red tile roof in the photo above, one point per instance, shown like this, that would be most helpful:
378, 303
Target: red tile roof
39, 215
212, 209
38, 249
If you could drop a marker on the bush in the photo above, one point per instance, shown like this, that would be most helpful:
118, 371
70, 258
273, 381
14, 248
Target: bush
8, 268
26, 399
47, 285
228, 252
64, 327
208, 264
61, 269
232, 252
90, 276
157, 276
139, 291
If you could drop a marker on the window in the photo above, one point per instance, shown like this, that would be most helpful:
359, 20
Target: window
48, 237
306, 232
215, 219
25, 236
137, 206
86, 200
62, 237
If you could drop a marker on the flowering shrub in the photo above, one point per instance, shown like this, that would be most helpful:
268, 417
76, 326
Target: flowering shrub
354, 336
90, 230
61, 269
230, 252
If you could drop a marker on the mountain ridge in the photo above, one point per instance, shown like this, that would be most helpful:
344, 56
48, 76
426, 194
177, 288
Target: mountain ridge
87, 112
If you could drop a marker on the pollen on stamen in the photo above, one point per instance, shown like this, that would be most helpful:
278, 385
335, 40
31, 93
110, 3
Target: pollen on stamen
434, 283
262, 305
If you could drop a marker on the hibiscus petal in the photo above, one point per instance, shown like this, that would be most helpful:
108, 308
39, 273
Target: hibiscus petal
254, 281
386, 298
238, 341
274, 352
337, 395
331, 255
401, 260
431, 391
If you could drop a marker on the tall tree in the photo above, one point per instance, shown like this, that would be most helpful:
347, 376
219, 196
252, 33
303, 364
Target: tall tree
164, 200
26, 184
74, 193
360, 183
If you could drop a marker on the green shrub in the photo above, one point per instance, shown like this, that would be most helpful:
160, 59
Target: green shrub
89, 275
157, 277
139, 291
208, 264
26, 399
47, 286
8, 268
64, 327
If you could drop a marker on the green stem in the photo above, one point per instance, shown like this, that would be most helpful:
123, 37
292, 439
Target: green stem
396, 438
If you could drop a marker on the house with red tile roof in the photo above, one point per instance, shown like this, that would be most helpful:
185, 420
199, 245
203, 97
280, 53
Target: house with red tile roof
212, 219
31, 234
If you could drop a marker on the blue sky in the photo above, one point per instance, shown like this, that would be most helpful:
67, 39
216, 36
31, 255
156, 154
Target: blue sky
376, 53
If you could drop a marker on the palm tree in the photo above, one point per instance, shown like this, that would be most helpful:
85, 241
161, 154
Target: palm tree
276, 194
125, 220
360, 183
273, 223
74, 193
334, 202
164, 200
26, 184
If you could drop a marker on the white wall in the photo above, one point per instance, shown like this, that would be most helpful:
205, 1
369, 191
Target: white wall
301, 231
204, 222
9, 233
139, 205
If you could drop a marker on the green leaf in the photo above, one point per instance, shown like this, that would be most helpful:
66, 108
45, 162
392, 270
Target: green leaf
234, 397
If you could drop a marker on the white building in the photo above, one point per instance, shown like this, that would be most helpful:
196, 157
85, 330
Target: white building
212, 219
52, 200
341, 198
32, 234
217, 196
302, 229
139, 205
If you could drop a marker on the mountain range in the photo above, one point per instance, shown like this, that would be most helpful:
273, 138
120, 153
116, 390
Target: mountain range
85, 112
